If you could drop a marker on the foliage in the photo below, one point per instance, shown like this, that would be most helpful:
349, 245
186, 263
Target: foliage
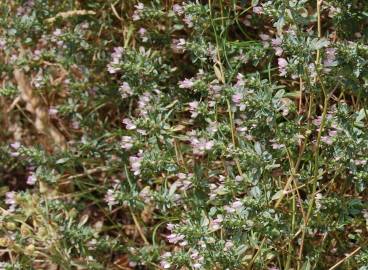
184, 135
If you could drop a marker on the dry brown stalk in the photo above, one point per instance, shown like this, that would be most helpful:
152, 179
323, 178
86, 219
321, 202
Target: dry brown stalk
35, 106
71, 13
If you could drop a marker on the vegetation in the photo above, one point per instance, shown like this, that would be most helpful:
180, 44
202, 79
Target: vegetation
219, 134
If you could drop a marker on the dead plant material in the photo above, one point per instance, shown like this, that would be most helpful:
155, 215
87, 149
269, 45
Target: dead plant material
72, 13
35, 106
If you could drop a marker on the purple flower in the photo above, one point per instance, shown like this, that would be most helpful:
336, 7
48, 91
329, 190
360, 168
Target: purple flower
186, 83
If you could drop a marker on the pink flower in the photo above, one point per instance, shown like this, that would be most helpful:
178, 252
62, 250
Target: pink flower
216, 223
237, 204
113, 66
360, 162
240, 80
139, 6
237, 98
75, 124
10, 199
193, 108
200, 146
165, 264
174, 238
110, 198
126, 142
188, 19
2, 43
57, 32
264, 37
183, 183
229, 209
276, 42
278, 51
136, 17
129, 124
178, 45
258, 10
118, 53
332, 133
282, 66
125, 90
329, 61
143, 103
170, 226
136, 162
327, 140
143, 34
228, 245
31, 179
53, 111
15, 145
277, 146
178, 9
186, 83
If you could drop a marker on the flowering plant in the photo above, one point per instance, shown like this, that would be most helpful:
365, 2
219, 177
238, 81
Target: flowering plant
184, 134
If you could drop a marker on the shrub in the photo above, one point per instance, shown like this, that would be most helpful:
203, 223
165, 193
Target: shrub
184, 135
